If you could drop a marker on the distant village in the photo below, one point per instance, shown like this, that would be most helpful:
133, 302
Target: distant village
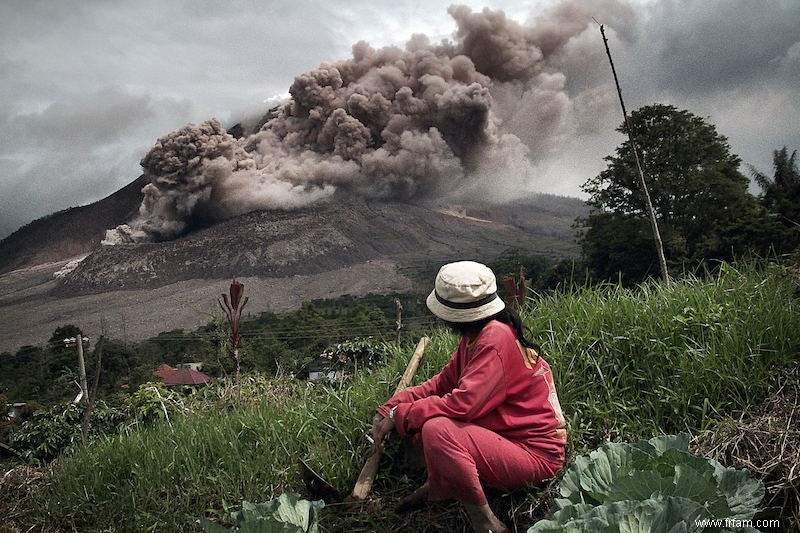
183, 374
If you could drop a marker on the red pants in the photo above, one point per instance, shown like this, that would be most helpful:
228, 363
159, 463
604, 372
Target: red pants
460, 456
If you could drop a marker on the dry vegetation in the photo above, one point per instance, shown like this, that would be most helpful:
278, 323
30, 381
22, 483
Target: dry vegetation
765, 439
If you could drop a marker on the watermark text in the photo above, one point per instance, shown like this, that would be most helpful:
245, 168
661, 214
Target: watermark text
738, 523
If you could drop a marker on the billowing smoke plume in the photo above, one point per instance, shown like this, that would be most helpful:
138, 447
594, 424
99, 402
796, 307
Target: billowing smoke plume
461, 117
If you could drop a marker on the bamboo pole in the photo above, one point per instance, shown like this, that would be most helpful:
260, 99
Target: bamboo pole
652, 213
370, 468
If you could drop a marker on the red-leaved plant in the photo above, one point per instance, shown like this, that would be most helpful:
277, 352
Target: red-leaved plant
232, 307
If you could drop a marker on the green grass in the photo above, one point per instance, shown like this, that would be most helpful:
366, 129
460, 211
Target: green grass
633, 363
628, 364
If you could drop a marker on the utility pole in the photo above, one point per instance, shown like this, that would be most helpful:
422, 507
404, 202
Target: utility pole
78, 342
651, 212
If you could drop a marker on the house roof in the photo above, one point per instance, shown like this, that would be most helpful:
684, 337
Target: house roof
186, 376
164, 371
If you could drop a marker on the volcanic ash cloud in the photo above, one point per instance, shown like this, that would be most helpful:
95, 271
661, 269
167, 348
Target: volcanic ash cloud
412, 125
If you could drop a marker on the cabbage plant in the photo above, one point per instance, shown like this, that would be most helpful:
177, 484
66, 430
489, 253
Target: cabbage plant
652, 486
287, 513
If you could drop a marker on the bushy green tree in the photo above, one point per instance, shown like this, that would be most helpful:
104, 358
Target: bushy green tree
781, 196
119, 360
267, 354
700, 198
41, 373
509, 262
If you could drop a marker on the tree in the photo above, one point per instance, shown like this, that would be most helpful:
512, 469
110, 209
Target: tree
63, 332
781, 197
699, 196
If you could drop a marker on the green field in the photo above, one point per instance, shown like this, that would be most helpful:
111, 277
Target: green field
629, 363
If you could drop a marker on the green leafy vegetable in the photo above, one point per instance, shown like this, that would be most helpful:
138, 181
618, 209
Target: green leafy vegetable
285, 514
651, 486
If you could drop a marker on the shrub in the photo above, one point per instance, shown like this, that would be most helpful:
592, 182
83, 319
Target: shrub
353, 355
50, 432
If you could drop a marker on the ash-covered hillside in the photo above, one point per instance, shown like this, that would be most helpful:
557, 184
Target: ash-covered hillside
71, 232
328, 236
285, 258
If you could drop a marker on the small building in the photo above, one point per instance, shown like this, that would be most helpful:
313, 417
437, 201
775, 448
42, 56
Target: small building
164, 371
14, 410
194, 366
324, 368
185, 376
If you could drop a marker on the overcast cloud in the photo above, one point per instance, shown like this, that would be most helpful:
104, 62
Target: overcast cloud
87, 87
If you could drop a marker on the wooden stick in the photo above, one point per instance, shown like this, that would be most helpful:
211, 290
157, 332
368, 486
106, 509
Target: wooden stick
370, 468
413, 364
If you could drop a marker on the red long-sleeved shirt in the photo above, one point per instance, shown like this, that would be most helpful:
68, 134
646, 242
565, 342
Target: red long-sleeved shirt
495, 383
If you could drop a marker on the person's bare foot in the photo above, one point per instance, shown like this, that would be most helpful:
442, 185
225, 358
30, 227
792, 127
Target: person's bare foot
414, 500
483, 520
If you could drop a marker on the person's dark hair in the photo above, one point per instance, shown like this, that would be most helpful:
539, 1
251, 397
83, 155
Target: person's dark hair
506, 316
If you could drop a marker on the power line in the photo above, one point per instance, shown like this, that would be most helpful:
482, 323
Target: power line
326, 333
332, 330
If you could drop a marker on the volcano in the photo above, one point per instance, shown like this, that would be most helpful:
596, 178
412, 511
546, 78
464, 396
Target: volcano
54, 271
378, 168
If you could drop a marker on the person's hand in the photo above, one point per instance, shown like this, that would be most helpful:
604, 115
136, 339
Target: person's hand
381, 426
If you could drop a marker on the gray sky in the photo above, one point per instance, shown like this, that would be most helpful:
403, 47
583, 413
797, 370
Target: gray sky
86, 87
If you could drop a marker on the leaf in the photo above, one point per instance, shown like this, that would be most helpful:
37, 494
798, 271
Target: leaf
547, 526
288, 514
665, 463
653, 515
649, 486
640, 486
696, 487
269, 525
677, 514
607, 464
663, 443
742, 493
570, 485
569, 519
638, 517
293, 510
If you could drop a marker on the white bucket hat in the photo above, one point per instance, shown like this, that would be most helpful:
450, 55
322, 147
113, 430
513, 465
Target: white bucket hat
464, 291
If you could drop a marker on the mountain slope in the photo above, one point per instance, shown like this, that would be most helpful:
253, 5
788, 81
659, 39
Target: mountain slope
339, 247
327, 237
71, 232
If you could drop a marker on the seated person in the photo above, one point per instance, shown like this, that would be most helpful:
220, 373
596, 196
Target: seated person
491, 416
